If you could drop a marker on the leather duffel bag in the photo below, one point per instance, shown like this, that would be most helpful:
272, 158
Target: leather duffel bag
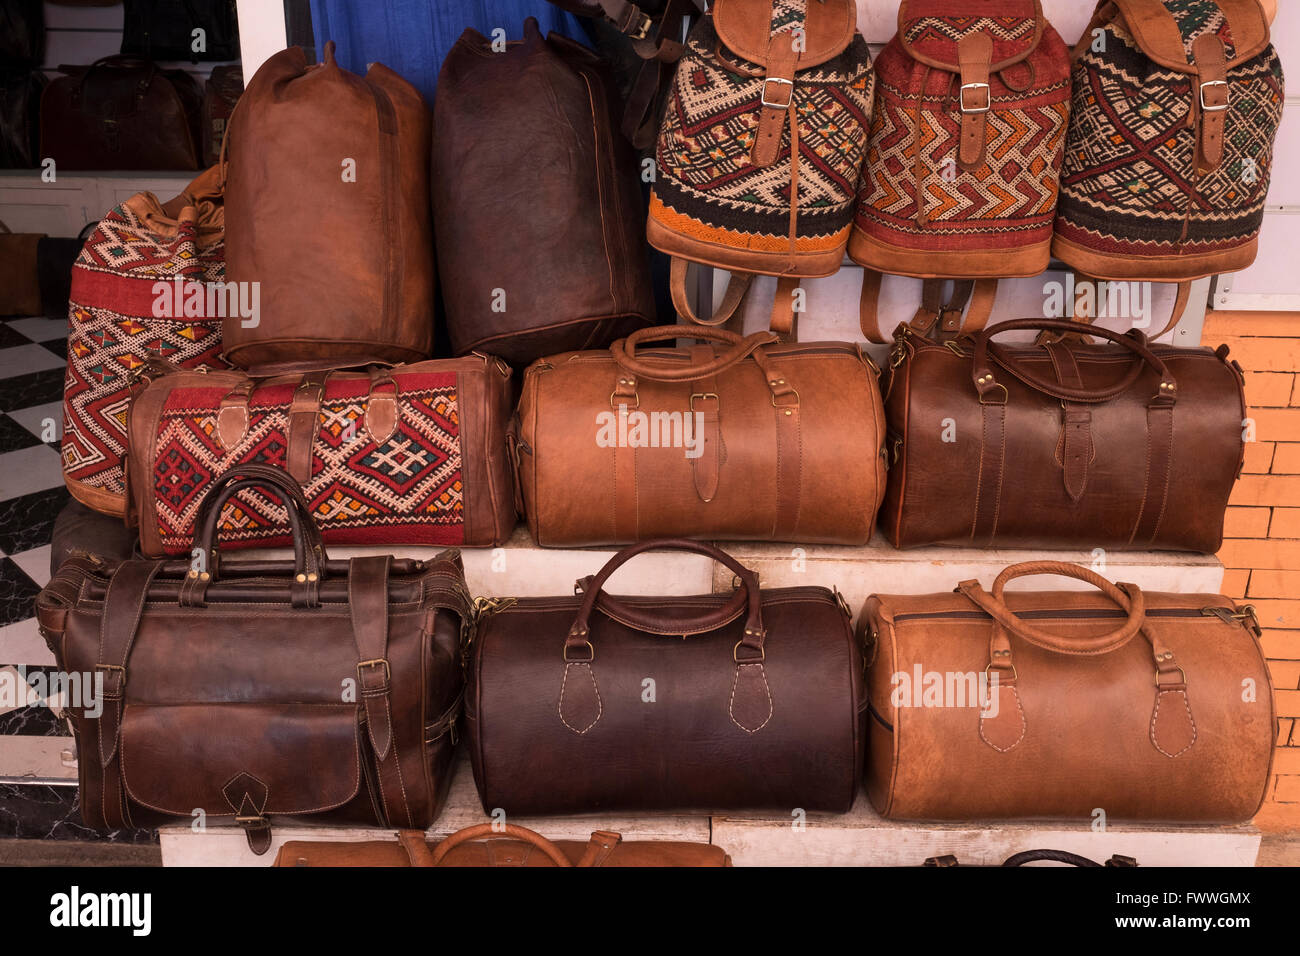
1056, 704
259, 692
591, 703
755, 440
1124, 445
485, 845
412, 455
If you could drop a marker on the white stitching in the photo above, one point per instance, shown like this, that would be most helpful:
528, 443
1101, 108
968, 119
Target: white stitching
731, 710
1155, 715
600, 706
1024, 725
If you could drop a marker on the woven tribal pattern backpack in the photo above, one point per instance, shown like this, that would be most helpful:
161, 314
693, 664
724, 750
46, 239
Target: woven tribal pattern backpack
964, 159
1176, 107
761, 147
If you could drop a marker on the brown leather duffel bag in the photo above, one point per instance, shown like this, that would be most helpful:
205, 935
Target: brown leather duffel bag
754, 441
327, 208
1059, 704
591, 703
484, 845
1124, 445
253, 692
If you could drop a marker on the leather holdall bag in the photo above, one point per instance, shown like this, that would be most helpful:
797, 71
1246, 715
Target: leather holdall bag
1060, 857
994, 705
485, 845
262, 692
412, 455
563, 245
738, 438
761, 148
327, 211
139, 293
1123, 445
757, 699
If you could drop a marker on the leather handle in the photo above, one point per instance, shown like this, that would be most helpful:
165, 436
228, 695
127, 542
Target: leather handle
986, 382
478, 831
624, 351
118, 59
1127, 596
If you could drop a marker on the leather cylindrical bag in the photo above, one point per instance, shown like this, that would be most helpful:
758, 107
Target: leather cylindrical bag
1053, 704
738, 438
1123, 445
327, 211
591, 703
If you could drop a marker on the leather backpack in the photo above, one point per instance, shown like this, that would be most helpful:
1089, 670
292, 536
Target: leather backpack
1177, 105
761, 148
964, 161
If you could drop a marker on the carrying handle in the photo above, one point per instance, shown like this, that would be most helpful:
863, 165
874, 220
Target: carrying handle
578, 642
987, 384
624, 351
1127, 596
119, 59
478, 831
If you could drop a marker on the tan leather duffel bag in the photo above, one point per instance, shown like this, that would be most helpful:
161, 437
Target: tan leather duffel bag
482, 845
1061, 704
750, 441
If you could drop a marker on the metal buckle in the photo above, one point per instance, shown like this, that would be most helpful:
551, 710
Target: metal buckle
704, 395
793, 391
1227, 96
1181, 673
735, 655
777, 106
388, 671
976, 86
643, 30
115, 667
591, 652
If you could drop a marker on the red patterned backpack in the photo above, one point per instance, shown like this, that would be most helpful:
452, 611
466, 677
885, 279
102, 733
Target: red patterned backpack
964, 160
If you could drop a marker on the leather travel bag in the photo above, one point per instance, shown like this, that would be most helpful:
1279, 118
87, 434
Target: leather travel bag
735, 439
412, 455
327, 211
262, 692
1123, 445
1054, 704
484, 845
556, 260
591, 703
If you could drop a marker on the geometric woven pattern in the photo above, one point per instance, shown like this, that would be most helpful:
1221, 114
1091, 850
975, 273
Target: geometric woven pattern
408, 490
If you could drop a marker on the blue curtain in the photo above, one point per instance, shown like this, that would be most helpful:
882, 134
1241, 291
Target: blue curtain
412, 37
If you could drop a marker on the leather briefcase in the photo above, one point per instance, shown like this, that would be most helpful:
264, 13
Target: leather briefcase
258, 692
1124, 445
591, 703
484, 845
413, 455
756, 440
1057, 704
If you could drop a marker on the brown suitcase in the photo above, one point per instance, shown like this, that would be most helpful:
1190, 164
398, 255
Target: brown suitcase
260, 691
537, 202
485, 845
756, 440
1059, 704
591, 703
1123, 445
327, 208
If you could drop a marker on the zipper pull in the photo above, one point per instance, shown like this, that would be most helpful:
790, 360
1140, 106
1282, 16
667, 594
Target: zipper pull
1246, 616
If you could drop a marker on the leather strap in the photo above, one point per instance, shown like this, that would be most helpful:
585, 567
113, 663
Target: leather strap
383, 407
980, 309
489, 831
1160, 448
1210, 100
304, 426
1076, 450
232, 416
993, 452
784, 319
416, 847
778, 97
601, 848
707, 467
789, 457
869, 307
975, 99
737, 286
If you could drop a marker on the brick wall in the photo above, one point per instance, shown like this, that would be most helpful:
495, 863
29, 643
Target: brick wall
1262, 550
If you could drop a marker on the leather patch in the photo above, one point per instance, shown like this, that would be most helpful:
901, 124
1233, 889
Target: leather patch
246, 794
232, 425
381, 417
1173, 729
745, 28
580, 705
751, 698
1006, 728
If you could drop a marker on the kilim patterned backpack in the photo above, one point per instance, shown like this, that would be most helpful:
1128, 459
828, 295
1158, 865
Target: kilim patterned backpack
1170, 150
117, 320
964, 161
761, 148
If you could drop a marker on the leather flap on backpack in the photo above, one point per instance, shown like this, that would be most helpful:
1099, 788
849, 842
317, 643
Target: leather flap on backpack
1241, 24
745, 28
930, 30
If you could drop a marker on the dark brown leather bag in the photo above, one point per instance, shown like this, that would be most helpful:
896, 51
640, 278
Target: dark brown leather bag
784, 442
327, 207
1150, 707
121, 112
262, 691
537, 201
1124, 445
591, 703
484, 845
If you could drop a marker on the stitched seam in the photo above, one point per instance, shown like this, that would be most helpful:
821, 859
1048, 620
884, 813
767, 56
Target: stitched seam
1024, 726
600, 707
1168, 470
979, 482
731, 710
1155, 715
1002, 465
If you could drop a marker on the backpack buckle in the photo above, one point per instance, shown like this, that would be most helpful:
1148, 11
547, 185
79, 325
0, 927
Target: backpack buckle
1206, 107
789, 93
988, 98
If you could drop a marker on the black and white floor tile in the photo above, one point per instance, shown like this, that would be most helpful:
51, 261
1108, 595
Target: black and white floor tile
32, 357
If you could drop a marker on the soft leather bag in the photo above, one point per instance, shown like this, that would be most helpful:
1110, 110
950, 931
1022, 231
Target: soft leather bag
486, 845
734, 439
1051, 704
1124, 445
262, 692
164, 29
753, 701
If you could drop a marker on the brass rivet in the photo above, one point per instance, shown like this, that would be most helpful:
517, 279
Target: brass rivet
300, 578
773, 382
312, 576
193, 574
204, 576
